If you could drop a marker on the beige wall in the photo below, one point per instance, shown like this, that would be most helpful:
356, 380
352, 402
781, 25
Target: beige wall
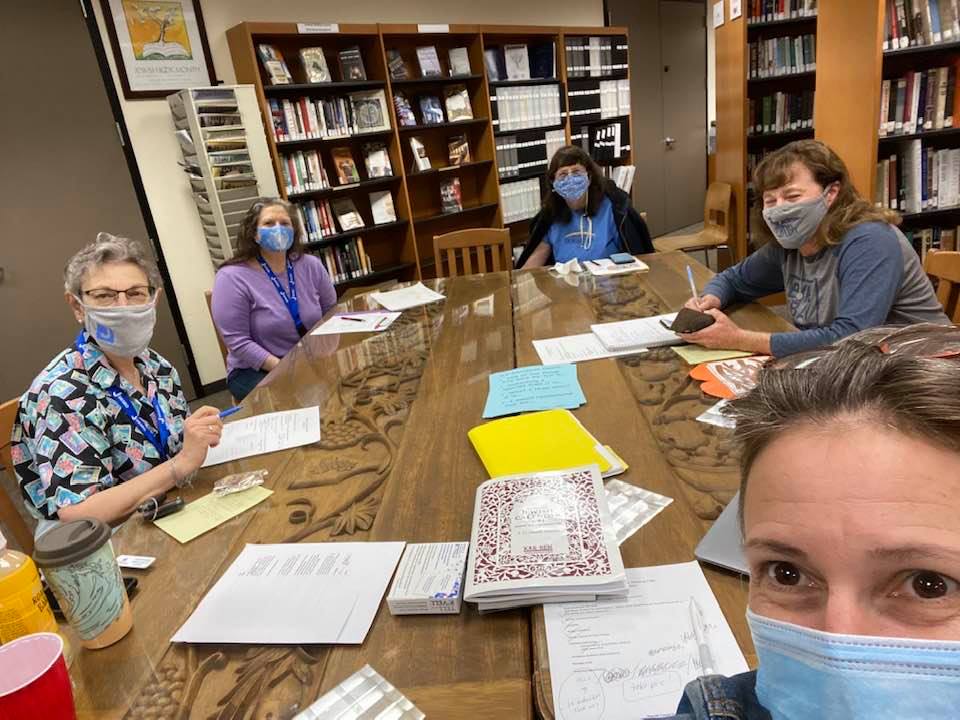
151, 128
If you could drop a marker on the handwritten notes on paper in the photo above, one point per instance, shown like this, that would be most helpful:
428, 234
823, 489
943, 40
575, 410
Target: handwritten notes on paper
538, 387
266, 433
208, 512
574, 349
626, 658
357, 322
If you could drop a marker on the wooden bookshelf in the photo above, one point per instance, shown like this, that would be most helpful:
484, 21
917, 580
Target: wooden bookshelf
406, 246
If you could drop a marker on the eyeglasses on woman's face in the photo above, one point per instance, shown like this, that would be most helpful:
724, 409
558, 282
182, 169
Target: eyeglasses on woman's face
106, 297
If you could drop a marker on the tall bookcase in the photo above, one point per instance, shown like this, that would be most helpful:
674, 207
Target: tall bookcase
404, 249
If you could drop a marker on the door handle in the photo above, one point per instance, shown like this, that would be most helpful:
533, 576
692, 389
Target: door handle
2, 271
669, 141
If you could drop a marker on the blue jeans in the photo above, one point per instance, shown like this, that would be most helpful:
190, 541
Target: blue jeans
242, 382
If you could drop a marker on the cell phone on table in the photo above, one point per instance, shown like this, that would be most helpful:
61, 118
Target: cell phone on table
130, 583
622, 259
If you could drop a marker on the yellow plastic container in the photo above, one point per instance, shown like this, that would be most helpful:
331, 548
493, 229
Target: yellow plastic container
23, 604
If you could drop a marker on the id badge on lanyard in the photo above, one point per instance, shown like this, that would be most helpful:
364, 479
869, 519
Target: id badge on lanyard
293, 306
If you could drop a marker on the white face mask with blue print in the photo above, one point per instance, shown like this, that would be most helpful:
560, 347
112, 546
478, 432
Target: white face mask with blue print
124, 330
806, 674
275, 237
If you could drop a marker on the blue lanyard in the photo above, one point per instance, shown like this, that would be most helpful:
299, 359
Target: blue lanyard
293, 307
126, 404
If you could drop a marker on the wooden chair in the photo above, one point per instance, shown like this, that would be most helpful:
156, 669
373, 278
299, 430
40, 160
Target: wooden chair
945, 267
356, 292
10, 517
208, 296
472, 244
717, 225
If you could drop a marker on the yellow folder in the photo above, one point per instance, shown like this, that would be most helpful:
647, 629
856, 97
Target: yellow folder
534, 442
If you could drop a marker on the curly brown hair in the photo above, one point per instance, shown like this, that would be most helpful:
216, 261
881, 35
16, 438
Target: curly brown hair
849, 208
247, 247
556, 207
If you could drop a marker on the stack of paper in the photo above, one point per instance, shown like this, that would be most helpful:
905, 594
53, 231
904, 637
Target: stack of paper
575, 348
406, 298
537, 387
606, 266
636, 334
266, 433
540, 441
540, 538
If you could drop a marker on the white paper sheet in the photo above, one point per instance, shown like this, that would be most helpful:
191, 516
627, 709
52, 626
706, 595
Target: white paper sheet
714, 416
301, 593
574, 349
407, 297
356, 322
606, 266
628, 658
266, 433
638, 333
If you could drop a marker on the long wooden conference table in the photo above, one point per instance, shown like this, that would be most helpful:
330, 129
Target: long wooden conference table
394, 463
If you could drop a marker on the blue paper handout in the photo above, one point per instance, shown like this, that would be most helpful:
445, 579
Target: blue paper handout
538, 387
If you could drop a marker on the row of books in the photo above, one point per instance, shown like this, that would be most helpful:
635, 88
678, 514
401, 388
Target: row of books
926, 240
527, 152
595, 56
520, 61
621, 175
458, 153
772, 10
916, 178
326, 218
597, 100
526, 106
428, 62
304, 171
308, 119
520, 200
920, 22
314, 64
456, 99
919, 101
780, 112
782, 56
604, 143
345, 262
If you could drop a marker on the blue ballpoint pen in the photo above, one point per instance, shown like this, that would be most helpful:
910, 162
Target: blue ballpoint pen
693, 287
230, 411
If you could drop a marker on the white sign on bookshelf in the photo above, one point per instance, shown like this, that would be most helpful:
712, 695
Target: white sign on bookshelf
433, 28
718, 14
736, 9
316, 28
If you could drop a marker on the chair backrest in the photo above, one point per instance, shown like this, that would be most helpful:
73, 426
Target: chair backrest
10, 518
717, 213
355, 292
945, 266
208, 296
472, 245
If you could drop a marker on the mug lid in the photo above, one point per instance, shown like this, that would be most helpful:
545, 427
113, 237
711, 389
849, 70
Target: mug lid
69, 542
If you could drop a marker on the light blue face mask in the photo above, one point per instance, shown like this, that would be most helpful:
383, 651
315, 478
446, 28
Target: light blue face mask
573, 186
275, 237
806, 674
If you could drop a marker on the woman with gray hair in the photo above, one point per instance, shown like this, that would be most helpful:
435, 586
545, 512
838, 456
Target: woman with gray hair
104, 427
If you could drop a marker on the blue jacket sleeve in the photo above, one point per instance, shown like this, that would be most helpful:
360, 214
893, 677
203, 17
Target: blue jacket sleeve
869, 273
760, 274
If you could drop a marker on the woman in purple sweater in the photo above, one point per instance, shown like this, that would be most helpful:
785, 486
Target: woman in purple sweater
268, 295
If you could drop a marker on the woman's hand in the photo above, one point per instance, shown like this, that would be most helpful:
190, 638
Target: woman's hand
725, 334
704, 303
200, 431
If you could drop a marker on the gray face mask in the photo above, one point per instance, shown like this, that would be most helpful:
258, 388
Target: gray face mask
793, 224
124, 330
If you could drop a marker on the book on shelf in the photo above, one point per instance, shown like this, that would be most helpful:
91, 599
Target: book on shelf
451, 196
346, 167
303, 171
459, 61
495, 63
773, 10
315, 65
431, 112
517, 61
429, 62
520, 200
369, 109
598, 99
457, 101
780, 112
525, 106
935, 239
782, 56
621, 175
915, 178
351, 64
377, 160
347, 261
348, 217
528, 152
605, 142
920, 101
421, 161
912, 23
397, 66
404, 110
458, 150
316, 217
542, 537
275, 66
381, 206
595, 56
543, 60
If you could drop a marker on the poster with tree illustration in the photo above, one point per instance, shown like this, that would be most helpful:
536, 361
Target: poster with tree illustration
159, 45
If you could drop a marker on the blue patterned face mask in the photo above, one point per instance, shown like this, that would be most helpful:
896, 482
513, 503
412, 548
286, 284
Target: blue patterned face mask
806, 673
275, 237
573, 186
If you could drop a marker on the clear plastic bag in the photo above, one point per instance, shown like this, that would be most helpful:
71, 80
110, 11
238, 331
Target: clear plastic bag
238, 482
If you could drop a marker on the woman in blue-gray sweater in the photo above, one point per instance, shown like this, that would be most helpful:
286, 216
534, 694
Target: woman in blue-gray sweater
843, 263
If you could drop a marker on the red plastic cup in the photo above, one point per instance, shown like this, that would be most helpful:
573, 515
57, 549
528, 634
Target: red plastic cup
34, 682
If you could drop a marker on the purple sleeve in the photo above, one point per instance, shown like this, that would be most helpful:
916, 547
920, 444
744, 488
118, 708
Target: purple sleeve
231, 305
323, 285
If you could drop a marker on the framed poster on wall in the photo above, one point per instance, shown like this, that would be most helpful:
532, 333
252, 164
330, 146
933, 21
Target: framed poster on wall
160, 46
